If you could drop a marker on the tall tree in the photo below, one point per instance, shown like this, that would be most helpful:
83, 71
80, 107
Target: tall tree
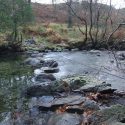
29, 1
13, 14
69, 14
69, 17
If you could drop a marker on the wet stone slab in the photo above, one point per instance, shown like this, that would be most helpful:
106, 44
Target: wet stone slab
72, 104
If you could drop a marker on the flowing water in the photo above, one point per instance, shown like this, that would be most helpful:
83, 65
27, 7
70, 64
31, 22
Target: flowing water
14, 78
101, 65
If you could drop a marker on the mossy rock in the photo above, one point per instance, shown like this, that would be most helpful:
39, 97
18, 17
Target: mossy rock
76, 82
82, 80
114, 115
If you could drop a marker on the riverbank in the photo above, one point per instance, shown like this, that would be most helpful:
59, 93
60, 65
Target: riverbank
57, 37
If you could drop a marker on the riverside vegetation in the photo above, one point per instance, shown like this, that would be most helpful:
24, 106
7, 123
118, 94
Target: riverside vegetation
57, 37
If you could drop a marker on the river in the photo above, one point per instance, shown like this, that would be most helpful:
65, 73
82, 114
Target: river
98, 64
15, 77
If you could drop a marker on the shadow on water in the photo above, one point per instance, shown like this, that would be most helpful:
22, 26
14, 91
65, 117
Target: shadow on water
13, 79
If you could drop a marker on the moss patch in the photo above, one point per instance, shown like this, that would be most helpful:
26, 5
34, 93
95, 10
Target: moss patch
114, 115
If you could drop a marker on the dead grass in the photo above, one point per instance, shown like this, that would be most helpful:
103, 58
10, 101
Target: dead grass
50, 34
120, 34
56, 33
3, 39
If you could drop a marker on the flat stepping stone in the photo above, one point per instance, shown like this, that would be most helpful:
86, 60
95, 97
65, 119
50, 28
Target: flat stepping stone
44, 78
73, 103
51, 70
102, 88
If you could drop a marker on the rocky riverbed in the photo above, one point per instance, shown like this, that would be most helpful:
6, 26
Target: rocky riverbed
70, 88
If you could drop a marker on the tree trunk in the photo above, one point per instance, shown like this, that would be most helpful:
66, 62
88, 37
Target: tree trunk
29, 1
91, 23
69, 15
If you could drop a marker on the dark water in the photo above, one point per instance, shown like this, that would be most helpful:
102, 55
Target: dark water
14, 77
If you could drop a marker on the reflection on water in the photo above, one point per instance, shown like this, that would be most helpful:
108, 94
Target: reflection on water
14, 77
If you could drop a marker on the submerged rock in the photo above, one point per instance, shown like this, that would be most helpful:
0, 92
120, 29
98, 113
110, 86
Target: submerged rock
95, 51
37, 55
38, 71
120, 55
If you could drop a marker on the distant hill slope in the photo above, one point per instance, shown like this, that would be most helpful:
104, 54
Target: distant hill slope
58, 13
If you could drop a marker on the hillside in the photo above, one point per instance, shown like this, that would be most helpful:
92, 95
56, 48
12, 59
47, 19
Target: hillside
58, 13
47, 13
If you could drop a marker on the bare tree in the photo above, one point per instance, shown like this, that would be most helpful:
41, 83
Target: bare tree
91, 22
97, 19
29, 1
69, 14
83, 21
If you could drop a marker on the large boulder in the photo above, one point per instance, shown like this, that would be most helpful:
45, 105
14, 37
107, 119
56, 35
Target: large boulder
76, 82
50, 63
35, 62
90, 105
49, 101
38, 90
120, 55
70, 104
102, 88
87, 105
69, 100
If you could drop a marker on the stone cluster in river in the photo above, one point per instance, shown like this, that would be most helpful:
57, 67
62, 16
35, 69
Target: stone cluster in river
80, 106
75, 100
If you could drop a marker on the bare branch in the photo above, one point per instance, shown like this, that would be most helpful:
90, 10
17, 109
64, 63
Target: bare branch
121, 24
